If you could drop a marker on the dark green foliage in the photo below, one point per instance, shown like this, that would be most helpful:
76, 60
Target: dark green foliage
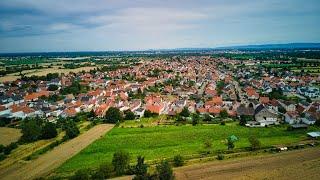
185, 112
129, 115
52, 87
82, 174
282, 109
72, 130
1, 148
148, 114
178, 161
74, 89
164, 171
104, 171
224, 114
120, 162
254, 142
49, 131
195, 119
2, 156
244, 119
141, 168
113, 115
31, 131
7, 150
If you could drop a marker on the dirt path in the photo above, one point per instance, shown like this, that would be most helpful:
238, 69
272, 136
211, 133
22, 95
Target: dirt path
53, 159
300, 164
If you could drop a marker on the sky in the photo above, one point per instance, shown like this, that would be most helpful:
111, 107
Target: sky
101, 25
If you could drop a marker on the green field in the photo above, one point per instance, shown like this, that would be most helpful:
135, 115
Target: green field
160, 142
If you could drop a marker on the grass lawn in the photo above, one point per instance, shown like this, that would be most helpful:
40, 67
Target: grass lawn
160, 142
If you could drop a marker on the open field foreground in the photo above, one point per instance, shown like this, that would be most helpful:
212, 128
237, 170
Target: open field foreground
156, 143
53, 159
298, 164
9, 135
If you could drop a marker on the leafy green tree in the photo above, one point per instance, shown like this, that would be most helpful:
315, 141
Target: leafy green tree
72, 130
53, 87
141, 168
185, 112
147, 114
113, 115
104, 171
129, 115
120, 161
178, 161
82, 174
224, 113
31, 131
49, 131
254, 142
164, 171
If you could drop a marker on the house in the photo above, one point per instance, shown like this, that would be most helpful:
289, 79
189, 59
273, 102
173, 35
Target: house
139, 112
292, 118
265, 116
288, 105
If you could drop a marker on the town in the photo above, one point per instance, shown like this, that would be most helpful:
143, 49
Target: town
245, 90
216, 104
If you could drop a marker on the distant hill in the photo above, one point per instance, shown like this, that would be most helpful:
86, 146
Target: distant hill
275, 46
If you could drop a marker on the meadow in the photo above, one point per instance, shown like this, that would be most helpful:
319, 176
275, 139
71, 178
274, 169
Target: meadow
156, 143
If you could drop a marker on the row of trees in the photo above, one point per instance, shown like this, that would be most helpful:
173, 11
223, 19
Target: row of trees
120, 165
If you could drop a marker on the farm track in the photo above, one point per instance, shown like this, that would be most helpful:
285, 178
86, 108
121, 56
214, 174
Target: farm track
43, 165
298, 164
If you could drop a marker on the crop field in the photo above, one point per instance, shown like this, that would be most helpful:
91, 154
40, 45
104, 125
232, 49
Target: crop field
156, 143
9, 135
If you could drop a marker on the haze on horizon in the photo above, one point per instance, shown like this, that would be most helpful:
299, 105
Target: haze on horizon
83, 25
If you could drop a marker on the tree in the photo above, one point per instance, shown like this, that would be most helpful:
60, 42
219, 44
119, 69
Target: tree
178, 160
113, 115
230, 142
141, 168
104, 171
31, 131
147, 114
185, 112
164, 171
53, 87
82, 174
195, 119
120, 161
129, 115
49, 131
72, 130
255, 143
224, 113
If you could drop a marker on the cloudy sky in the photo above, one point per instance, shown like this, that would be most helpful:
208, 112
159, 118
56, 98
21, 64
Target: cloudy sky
93, 25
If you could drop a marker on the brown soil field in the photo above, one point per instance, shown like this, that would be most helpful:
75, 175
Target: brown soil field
9, 135
47, 162
298, 164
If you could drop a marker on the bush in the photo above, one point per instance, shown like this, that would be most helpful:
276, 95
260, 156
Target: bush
147, 114
220, 156
2, 156
178, 161
185, 112
164, 171
255, 143
141, 168
49, 131
223, 123
82, 174
129, 115
120, 162
31, 131
105, 171
7, 150
72, 130
1, 148
113, 115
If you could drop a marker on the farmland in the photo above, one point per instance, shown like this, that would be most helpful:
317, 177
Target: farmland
9, 135
156, 143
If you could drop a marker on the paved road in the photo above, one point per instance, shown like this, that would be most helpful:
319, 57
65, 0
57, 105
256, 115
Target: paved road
53, 159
